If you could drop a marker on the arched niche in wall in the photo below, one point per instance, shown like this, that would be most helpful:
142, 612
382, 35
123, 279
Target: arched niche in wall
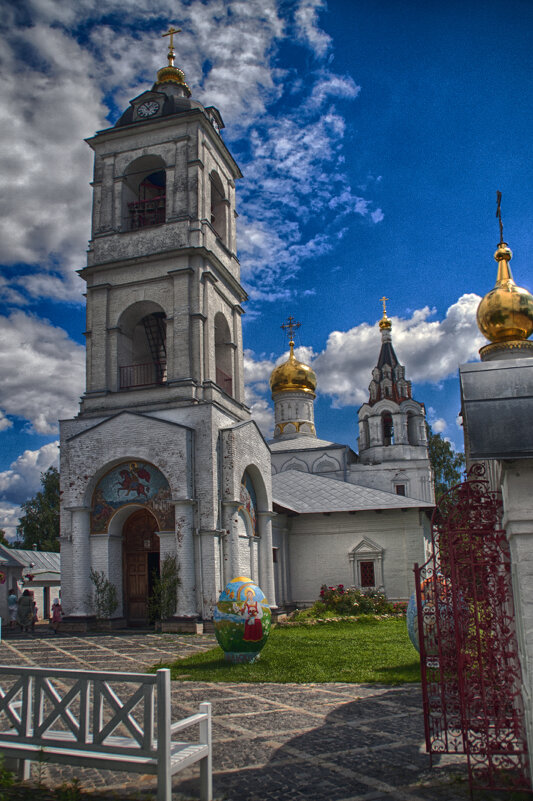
295, 464
325, 464
223, 354
134, 484
219, 207
144, 193
142, 351
248, 508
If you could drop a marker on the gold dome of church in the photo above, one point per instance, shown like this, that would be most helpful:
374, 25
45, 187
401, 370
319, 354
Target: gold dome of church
171, 73
293, 376
506, 312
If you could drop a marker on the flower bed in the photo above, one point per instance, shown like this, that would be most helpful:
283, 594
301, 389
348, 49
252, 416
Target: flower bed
343, 603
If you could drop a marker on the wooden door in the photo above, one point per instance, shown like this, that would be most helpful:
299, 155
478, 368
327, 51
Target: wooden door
139, 541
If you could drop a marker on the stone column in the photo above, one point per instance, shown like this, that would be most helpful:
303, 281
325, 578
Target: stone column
187, 604
77, 602
266, 565
399, 422
517, 483
230, 522
375, 431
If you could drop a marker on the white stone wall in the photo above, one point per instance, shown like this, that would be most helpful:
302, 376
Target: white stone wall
319, 548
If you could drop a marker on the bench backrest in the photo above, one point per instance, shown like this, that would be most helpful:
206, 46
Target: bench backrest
87, 708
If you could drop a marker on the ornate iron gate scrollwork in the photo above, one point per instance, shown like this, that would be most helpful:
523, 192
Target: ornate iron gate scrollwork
471, 677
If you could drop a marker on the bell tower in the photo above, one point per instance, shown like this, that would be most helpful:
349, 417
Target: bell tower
163, 280
163, 452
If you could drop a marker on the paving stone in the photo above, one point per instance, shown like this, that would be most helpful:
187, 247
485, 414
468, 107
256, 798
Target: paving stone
272, 742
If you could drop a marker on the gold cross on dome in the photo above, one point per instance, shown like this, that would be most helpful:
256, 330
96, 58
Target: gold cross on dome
291, 326
171, 31
384, 301
499, 213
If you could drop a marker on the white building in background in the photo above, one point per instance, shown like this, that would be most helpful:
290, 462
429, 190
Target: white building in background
163, 458
358, 520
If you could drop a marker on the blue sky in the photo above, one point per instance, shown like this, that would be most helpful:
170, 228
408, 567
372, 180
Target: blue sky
372, 134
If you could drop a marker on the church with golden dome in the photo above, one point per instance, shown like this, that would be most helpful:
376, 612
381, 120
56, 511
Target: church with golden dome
164, 463
358, 519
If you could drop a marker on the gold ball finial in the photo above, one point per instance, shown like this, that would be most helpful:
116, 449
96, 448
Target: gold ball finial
505, 314
385, 324
172, 74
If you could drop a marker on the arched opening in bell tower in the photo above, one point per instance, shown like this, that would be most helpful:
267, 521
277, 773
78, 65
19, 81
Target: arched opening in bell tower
142, 351
388, 428
218, 207
144, 193
223, 354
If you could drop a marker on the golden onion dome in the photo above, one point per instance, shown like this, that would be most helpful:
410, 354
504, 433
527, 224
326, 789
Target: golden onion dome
293, 376
506, 312
385, 324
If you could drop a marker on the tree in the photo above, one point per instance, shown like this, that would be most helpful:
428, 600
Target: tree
105, 597
162, 603
39, 524
3, 539
447, 464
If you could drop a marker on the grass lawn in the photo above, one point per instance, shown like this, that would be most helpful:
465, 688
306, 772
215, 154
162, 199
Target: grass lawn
367, 650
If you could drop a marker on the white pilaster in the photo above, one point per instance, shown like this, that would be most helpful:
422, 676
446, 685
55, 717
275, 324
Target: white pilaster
266, 565
518, 523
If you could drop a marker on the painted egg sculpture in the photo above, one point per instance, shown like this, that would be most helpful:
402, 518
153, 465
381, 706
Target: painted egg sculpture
242, 620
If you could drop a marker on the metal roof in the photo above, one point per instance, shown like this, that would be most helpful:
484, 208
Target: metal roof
301, 443
308, 493
41, 563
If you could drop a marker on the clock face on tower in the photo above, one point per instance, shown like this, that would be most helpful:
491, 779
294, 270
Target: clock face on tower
148, 109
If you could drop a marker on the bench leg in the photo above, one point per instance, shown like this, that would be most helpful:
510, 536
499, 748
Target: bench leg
206, 779
206, 764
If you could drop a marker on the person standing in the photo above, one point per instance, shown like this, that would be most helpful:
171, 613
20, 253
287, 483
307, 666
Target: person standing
57, 614
25, 611
12, 603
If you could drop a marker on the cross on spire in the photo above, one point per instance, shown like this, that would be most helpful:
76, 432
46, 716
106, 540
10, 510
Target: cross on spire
171, 31
499, 213
291, 326
384, 301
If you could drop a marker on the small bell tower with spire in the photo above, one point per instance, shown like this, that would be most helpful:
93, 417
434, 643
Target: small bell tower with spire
392, 427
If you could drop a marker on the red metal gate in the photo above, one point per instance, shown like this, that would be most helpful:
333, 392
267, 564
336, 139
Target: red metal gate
471, 678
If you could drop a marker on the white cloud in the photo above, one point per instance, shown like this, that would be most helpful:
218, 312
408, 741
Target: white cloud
306, 19
9, 519
431, 351
42, 371
5, 422
22, 480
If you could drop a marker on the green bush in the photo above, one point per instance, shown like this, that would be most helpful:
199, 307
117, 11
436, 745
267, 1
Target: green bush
341, 600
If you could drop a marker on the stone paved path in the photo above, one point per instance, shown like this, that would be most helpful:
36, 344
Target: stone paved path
272, 742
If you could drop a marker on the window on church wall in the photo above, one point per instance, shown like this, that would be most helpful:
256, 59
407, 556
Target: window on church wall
223, 355
218, 207
388, 429
367, 575
400, 489
144, 193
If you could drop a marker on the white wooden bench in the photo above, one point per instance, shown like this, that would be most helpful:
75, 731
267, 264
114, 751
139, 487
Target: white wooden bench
117, 721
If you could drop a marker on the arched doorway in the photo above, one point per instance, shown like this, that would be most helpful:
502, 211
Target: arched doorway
140, 556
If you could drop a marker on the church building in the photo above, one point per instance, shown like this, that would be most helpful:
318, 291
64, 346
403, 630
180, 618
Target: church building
358, 520
163, 459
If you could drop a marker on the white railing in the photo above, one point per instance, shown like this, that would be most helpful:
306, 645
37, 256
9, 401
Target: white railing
117, 721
